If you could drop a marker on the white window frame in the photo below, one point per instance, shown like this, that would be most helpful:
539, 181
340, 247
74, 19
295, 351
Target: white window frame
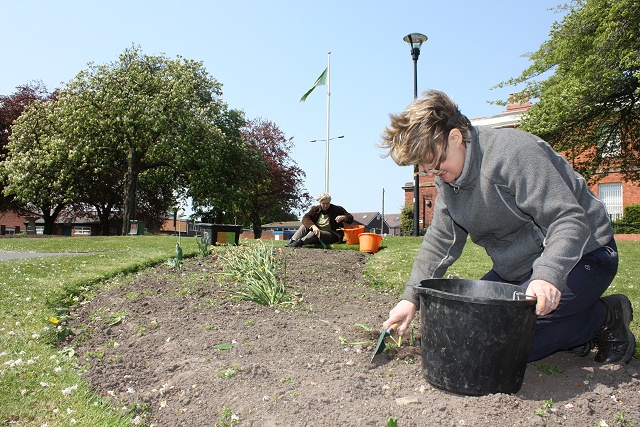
611, 196
82, 230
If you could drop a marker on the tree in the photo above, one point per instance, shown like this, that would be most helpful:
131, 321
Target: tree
11, 107
151, 113
35, 167
589, 105
276, 187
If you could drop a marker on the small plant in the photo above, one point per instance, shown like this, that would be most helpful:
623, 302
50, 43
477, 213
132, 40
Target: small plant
256, 267
227, 418
548, 369
205, 249
345, 341
229, 372
392, 422
543, 412
285, 379
365, 327
620, 419
224, 346
177, 261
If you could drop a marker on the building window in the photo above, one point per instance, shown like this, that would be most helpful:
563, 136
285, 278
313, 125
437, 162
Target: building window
82, 229
39, 229
611, 196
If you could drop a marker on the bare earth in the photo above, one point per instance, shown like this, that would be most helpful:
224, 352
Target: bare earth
160, 340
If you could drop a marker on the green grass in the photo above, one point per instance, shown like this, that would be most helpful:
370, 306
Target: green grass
39, 383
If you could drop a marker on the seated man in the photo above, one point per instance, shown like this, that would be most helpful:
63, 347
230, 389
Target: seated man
322, 223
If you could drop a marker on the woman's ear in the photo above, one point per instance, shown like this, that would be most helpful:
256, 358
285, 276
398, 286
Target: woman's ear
455, 137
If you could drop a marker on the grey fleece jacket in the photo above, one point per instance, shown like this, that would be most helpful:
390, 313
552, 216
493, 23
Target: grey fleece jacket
522, 202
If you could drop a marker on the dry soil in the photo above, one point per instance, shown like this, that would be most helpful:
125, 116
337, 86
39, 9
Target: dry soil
177, 349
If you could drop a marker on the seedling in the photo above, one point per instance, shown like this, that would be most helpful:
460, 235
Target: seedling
224, 346
229, 372
543, 412
227, 418
177, 261
345, 341
621, 419
548, 369
204, 248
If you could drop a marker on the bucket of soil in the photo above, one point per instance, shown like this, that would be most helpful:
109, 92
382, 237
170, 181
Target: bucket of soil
476, 335
370, 242
352, 234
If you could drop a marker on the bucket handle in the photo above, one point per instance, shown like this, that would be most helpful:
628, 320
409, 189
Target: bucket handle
519, 296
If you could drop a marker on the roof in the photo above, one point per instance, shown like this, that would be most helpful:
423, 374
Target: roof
364, 218
393, 220
282, 225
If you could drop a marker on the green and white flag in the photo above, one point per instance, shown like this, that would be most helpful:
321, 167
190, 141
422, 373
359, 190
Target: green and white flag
322, 81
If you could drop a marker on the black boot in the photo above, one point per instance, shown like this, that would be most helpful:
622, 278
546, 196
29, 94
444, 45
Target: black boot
294, 244
614, 340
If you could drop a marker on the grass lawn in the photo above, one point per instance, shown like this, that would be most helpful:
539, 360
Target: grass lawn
39, 383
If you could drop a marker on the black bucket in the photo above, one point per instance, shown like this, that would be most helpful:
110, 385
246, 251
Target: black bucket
476, 335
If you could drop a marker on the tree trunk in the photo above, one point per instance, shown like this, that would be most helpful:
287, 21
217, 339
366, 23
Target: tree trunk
104, 212
49, 216
257, 225
130, 186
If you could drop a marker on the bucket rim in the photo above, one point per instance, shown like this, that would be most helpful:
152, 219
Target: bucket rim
528, 300
371, 234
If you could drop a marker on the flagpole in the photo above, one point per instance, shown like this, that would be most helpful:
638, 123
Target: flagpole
326, 165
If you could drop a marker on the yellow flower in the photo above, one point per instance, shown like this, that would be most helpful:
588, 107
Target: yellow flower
54, 320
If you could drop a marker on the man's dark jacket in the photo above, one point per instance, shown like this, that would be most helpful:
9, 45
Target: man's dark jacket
312, 216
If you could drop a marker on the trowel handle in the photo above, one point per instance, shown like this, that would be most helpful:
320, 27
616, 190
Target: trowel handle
393, 328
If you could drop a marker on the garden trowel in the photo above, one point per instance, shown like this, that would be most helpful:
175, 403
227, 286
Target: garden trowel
381, 345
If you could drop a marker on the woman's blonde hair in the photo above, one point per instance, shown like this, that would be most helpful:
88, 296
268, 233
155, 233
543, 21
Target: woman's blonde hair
420, 133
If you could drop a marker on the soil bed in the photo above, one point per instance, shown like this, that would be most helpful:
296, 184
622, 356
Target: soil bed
176, 346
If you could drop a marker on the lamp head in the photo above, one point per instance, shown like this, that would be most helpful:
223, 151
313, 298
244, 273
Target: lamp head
415, 40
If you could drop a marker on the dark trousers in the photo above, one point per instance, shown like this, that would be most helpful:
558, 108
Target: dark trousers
308, 236
580, 312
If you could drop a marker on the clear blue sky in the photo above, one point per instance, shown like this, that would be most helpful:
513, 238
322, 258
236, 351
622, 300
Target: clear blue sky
267, 54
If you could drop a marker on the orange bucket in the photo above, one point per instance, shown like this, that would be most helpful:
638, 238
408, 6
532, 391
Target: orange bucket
352, 234
370, 242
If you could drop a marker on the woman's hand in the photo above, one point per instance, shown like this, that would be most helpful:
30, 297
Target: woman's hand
402, 313
315, 230
548, 296
340, 218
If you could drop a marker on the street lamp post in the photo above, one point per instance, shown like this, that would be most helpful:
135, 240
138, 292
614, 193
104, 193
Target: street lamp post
415, 40
326, 162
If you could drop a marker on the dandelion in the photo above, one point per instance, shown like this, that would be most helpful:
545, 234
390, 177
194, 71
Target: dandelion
54, 320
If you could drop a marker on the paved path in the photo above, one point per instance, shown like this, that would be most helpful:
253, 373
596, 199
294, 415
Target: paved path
22, 255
